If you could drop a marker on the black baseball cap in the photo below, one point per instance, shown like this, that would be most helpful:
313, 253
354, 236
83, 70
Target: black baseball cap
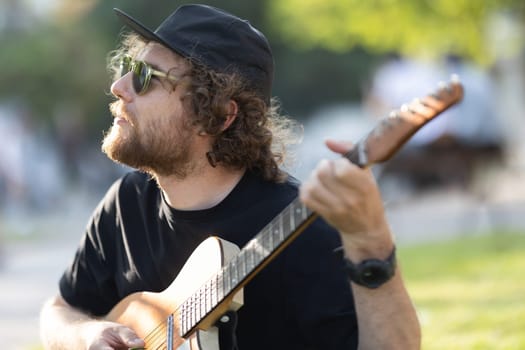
217, 39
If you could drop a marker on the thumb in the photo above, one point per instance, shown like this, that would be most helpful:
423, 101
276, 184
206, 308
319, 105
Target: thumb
340, 147
130, 339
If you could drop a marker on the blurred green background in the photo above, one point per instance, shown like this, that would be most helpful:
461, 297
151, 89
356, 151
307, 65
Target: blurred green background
53, 57
340, 64
53, 51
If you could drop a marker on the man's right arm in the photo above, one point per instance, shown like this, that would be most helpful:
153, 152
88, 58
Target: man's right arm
64, 327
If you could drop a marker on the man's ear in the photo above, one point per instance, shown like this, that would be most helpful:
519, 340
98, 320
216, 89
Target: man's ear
232, 109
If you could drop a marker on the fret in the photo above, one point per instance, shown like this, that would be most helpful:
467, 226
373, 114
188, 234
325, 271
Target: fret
297, 213
214, 291
301, 213
198, 302
202, 301
262, 251
249, 257
206, 297
307, 212
265, 242
234, 278
187, 316
169, 333
196, 309
241, 259
220, 285
286, 225
281, 227
256, 252
226, 279
193, 315
268, 233
276, 234
182, 319
292, 217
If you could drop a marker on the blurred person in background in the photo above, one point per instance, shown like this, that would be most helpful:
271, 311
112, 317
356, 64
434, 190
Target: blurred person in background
447, 151
194, 115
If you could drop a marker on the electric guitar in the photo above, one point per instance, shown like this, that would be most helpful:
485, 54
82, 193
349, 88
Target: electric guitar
184, 315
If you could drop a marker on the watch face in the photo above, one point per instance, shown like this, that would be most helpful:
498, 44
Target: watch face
374, 275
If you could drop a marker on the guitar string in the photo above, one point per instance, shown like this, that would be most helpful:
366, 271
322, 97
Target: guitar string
159, 333
157, 338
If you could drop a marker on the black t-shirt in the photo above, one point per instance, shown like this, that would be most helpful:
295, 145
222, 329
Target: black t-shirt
136, 242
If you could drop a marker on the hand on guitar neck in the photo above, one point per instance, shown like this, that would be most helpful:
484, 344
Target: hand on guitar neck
347, 196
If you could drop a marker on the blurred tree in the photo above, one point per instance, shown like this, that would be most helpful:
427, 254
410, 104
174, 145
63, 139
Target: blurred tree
62, 60
412, 27
48, 66
57, 66
324, 50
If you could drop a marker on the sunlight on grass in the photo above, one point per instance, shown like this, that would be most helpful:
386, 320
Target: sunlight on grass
470, 292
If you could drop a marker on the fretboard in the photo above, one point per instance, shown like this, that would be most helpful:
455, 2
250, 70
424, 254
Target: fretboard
257, 253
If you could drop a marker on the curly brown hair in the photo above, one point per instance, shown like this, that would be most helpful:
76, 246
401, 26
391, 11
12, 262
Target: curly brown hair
259, 136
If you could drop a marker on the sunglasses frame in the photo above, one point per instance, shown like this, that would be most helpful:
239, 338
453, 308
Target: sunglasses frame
128, 64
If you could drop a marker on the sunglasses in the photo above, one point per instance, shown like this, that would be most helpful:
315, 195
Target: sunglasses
142, 73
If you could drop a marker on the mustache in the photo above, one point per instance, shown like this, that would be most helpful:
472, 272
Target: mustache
118, 109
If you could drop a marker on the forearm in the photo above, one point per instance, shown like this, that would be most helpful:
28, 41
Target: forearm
348, 198
64, 327
386, 316
61, 325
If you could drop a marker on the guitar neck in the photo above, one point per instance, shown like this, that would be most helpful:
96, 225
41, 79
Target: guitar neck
255, 255
377, 146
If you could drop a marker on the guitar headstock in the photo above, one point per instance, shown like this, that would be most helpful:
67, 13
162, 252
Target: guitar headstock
393, 131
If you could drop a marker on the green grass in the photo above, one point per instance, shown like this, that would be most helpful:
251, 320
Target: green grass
470, 292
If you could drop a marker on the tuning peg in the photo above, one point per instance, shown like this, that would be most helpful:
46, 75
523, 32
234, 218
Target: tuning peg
455, 78
393, 115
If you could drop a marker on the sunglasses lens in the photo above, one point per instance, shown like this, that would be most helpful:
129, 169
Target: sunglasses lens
140, 77
125, 65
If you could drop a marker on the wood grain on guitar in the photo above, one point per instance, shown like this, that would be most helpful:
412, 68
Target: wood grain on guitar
210, 283
397, 128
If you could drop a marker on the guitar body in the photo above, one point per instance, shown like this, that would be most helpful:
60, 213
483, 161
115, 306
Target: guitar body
147, 312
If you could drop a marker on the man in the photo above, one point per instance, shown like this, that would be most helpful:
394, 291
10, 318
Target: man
193, 113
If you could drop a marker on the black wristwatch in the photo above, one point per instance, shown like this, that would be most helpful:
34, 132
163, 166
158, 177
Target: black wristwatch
372, 273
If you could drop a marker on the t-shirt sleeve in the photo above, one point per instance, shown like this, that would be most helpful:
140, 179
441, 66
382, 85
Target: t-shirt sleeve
88, 283
319, 295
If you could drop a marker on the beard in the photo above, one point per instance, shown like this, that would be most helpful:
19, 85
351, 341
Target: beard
160, 147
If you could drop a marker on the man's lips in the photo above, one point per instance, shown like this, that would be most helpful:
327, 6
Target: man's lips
120, 121
120, 114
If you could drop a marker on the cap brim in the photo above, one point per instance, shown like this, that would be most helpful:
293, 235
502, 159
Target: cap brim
139, 28
135, 25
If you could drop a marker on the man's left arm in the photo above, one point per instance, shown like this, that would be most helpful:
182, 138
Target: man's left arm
386, 315
348, 198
